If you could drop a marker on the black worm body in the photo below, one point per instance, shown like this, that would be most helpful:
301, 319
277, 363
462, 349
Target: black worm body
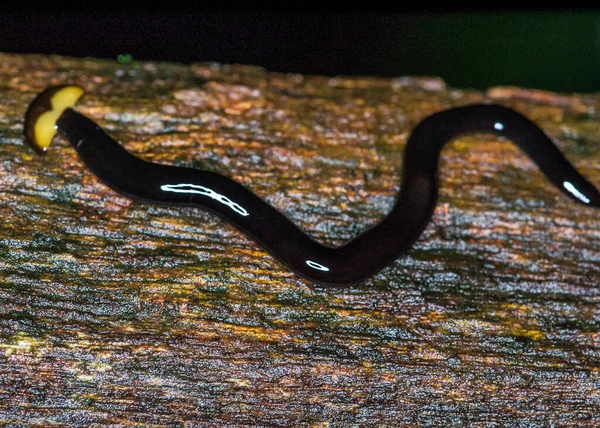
365, 255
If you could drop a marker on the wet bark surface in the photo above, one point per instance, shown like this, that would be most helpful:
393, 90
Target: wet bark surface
115, 312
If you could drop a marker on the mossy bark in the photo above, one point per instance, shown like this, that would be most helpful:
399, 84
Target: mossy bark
115, 312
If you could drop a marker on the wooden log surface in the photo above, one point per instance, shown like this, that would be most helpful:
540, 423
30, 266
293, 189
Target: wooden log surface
119, 313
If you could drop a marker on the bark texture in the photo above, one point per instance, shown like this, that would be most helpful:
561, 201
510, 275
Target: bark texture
114, 312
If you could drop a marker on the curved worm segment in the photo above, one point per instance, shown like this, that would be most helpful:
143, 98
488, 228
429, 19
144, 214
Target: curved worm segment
355, 261
43, 113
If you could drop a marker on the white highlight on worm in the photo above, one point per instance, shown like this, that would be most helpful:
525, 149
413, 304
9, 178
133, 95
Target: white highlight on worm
205, 191
576, 192
317, 266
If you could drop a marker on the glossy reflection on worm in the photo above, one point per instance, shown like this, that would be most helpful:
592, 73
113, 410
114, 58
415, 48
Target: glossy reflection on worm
352, 263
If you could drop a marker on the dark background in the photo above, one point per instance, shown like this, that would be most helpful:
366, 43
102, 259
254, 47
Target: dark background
549, 49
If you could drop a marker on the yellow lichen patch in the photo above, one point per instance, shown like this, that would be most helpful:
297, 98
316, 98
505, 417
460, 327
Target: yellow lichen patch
517, 330
256, 333
21, 344
85, 378
240, 383
100, 367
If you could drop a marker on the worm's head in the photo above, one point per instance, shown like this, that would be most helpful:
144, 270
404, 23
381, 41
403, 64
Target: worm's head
43, 113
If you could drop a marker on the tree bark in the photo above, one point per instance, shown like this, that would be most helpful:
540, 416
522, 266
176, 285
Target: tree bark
115, 312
